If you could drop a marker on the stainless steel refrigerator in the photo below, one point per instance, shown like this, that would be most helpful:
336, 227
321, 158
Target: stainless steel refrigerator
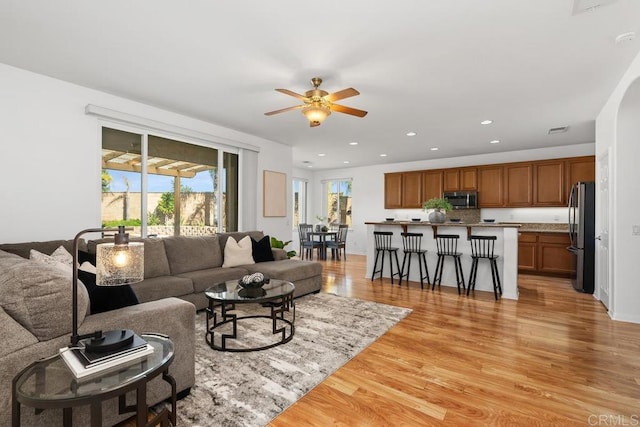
582, 227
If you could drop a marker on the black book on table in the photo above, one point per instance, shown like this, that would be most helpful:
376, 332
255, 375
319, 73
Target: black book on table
89, 358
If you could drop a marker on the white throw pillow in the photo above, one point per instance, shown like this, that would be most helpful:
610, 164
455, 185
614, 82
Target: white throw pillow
237, 253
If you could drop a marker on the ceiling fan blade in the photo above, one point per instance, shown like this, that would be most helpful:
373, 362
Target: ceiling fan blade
348, 110
291, 93
341, 94
271, 113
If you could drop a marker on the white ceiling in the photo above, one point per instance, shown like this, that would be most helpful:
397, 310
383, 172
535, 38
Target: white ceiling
436, 67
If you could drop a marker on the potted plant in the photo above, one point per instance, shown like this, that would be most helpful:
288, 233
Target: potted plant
276, 243
439, 206
321, 226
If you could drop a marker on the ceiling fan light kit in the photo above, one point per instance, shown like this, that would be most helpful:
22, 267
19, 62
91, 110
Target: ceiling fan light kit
318, 104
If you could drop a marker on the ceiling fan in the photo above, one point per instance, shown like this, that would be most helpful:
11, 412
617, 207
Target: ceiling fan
318, 104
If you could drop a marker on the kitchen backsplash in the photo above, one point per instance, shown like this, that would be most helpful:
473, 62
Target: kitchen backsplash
517, 215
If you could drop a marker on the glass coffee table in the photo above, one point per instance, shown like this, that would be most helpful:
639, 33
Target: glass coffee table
49, 383
273, 304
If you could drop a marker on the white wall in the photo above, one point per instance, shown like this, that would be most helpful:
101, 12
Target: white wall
618, 129
368, 187
50, 156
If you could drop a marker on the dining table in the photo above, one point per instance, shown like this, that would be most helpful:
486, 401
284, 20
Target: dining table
322, 238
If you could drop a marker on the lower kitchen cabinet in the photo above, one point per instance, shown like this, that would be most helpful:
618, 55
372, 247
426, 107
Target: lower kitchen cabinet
544, 253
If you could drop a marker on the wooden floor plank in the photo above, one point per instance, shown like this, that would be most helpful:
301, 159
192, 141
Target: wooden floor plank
554, 357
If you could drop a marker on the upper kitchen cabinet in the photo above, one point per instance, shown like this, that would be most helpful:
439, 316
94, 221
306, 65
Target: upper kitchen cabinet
518, 184
460, 179
431, 184
412, 190
490, 186
549, 183
393, 190
580, 169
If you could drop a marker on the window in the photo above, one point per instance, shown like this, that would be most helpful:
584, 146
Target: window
299, 202
337, 201
172, 190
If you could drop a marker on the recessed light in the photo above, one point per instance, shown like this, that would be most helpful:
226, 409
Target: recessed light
321, 155
495, 141
486, 122
383, 155
353, 143
346, 161
434, 148
411, 134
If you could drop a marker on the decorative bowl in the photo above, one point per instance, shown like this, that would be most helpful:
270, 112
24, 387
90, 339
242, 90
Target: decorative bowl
389, 219
251, 285
455, 219
416, 219
489, 220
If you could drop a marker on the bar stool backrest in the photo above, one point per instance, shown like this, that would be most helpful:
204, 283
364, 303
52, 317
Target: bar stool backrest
412, 242
382, 239
447, 244
482, 246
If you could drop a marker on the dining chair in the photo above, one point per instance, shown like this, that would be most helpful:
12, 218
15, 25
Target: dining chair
340, 242
307, 244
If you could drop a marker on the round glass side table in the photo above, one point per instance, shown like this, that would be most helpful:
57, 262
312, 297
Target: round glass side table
49, 383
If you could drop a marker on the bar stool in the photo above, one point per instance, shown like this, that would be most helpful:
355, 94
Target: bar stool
382, 241
447, 245
482, 248
412, 244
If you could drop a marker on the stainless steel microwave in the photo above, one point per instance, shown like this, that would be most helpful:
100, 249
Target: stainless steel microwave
462, 199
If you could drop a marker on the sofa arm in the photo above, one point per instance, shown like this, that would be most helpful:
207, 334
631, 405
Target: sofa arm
170, 316
279, 254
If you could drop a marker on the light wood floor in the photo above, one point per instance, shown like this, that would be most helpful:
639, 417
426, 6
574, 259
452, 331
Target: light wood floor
551, 358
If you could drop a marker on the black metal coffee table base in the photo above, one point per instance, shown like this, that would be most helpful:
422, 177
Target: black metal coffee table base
219, 314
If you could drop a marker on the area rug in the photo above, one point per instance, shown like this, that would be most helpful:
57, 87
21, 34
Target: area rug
250, 389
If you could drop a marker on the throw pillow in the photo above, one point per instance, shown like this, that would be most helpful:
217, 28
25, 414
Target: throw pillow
106, 298
237, 253
261, 250
60, 259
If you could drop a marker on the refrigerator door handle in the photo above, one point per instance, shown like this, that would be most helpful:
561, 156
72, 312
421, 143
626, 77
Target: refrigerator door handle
571, 210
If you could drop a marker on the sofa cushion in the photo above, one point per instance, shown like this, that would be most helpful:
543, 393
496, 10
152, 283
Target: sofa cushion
48, 247
155, 259
261, 250
288, 269
14, 336
38, 296
192, 253
237, 252
202, 279
160, 287
106, 298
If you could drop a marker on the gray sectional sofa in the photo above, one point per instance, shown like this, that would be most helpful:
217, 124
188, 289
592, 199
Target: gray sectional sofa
36, 324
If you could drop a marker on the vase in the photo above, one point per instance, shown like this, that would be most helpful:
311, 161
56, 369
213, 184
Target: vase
437, 216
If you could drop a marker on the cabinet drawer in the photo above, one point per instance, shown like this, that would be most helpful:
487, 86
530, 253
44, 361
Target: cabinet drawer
528, 237
559, 238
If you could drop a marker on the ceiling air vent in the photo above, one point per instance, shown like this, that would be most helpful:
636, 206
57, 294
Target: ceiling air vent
561, 129
580, 6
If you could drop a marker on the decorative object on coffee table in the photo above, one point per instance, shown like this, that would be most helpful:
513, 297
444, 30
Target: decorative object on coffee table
440, 208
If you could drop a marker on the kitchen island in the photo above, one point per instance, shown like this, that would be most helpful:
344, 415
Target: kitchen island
506, 247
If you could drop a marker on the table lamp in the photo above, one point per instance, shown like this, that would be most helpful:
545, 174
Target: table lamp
117, 263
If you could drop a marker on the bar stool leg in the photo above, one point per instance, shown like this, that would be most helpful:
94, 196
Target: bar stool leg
421, 277
459, 264
496, 278
375, 264
404, 260
455, 265
437, 277
426, 269
397, 265
382, 265
472, 275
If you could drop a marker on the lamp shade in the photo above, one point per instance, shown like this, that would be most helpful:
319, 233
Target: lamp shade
316, 112
119, 264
